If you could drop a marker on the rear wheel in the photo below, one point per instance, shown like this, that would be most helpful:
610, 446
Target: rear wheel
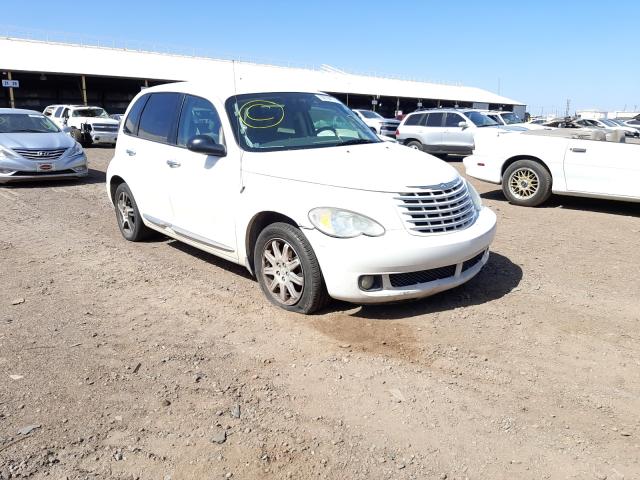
287, 269
526, 183
128, 215
416, 145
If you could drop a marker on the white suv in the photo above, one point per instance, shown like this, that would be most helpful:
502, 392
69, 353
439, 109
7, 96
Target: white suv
87, 125
295, 188
377, 123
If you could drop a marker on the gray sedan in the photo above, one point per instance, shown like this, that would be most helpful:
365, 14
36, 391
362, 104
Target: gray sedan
33, 148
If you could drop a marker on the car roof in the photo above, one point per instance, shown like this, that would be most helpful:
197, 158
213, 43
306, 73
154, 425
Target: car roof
20, 111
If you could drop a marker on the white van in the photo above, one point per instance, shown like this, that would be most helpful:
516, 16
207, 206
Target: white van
296, 188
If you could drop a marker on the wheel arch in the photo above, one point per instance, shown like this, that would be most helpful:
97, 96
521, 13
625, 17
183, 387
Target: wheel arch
406, 141
514, 159
113, 185
258, 223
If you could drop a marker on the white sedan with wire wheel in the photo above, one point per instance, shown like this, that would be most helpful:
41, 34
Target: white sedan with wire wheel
532, 165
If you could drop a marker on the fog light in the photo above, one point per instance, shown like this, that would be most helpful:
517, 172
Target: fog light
370, 282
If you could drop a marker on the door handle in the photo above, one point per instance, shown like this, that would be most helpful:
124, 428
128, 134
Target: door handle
173, 163
131, 153
578, 150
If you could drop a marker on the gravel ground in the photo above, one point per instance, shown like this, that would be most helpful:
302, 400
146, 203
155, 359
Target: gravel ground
157, 361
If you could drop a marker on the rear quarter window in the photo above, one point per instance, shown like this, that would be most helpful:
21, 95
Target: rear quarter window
133, 119
413, 120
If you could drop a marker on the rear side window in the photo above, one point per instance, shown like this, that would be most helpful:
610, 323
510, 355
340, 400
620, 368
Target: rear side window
58, 112
158, 119
416, 119
452, 120
131, 123
435, 119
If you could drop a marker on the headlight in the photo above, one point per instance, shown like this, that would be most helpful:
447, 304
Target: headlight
76, 150
6, 154
475, 196
344, 223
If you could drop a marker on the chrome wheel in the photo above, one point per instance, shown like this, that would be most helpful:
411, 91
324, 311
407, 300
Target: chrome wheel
127, 216
524, 183
282, 272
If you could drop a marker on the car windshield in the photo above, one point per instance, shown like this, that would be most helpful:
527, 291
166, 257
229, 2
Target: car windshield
90, 112
609, 123
264, 122
26, 123
370, 114
511, 118
481, 120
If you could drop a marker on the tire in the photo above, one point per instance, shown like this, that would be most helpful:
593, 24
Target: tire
416, 145
526, 183
299, 287
129, 220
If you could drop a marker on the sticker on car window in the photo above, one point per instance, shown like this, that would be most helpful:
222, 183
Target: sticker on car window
261, 114
36, 116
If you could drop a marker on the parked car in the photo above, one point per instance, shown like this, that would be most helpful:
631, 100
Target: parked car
633, 123
567, 122
532, 165
510, 118
294, 187
32, 147
608, 125
88, 125
443, 130
117, 116
377, 123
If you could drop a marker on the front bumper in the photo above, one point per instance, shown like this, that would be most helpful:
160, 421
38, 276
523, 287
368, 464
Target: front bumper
482, 167
104, 137
344, 261
28, 170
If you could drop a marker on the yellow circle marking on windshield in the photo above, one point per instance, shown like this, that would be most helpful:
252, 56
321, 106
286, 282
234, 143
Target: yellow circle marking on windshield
262, 122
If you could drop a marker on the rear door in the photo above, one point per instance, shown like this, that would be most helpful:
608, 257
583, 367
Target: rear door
432, 137
148, 145
412, 127
204, 189
604, 168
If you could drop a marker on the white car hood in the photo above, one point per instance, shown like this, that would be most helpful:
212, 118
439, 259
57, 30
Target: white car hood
92, 120
380, 167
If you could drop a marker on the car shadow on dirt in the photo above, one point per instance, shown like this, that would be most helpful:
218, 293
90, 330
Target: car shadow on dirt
613, 207
210, 258
498, 277
94, 176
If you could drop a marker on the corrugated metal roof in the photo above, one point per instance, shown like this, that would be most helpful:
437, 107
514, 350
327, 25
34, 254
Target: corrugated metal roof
50, 57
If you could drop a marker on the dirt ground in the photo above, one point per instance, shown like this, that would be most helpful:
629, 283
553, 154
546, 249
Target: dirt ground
156, 361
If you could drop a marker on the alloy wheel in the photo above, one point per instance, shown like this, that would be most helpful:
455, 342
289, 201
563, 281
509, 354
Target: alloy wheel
126, 211
524, 183
282, 272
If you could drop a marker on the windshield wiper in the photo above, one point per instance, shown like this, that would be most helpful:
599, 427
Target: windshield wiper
355, 141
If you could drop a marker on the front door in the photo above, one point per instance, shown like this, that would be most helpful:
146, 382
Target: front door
605, 168
204, 189
456, 138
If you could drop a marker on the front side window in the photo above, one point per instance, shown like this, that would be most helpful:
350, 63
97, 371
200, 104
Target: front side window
291, 121
198, 117
435, 119
481, 120
158, 119
26, 123
452, 120
90, 112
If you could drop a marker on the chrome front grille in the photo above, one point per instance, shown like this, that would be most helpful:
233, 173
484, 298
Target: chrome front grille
437, 208
40, 154
104, 127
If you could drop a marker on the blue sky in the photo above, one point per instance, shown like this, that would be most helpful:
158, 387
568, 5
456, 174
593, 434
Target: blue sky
538, 52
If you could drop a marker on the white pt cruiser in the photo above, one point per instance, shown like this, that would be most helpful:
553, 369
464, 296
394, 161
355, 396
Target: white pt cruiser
296, 188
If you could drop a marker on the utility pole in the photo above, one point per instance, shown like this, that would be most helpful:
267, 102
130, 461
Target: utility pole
566, 112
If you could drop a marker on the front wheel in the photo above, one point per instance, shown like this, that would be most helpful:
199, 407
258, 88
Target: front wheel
128, 215
526, 183
287, 269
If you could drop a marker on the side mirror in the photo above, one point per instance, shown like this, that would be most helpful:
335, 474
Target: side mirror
205, 144
463, 125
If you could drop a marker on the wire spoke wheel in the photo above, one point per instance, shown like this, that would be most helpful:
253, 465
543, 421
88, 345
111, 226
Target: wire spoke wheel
282, 272
126, 213
524, 183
